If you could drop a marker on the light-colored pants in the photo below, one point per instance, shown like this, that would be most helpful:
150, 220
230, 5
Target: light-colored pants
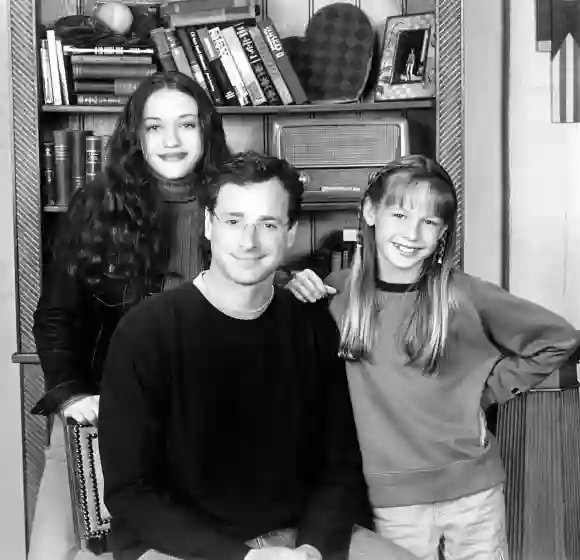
473, 527
52, 536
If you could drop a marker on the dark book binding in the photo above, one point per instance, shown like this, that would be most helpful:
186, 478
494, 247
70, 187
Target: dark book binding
111, 71
48, 175
78, 157
274, 43
216, 67
94, 156
212, 86
62, 168
257, 65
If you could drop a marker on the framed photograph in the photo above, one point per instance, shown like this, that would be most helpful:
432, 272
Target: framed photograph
407, 68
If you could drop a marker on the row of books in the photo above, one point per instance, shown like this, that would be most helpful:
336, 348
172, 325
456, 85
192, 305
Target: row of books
70, 159
237, 63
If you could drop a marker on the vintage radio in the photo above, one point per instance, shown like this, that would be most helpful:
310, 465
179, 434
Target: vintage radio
335, 157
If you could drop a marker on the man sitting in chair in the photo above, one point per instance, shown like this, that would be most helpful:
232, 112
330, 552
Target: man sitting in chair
226, 430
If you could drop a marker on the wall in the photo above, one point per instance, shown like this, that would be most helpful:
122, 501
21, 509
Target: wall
544, 181
483, 91
11, 478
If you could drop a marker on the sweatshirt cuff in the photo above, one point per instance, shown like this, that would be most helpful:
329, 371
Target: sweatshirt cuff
54, 399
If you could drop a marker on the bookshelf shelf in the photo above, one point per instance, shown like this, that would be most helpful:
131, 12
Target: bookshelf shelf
398, 105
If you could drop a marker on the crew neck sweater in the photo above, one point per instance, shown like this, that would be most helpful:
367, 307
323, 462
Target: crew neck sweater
423, 437
215, 430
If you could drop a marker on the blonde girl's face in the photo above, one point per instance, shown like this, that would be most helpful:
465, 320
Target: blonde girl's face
171, 137
406, 234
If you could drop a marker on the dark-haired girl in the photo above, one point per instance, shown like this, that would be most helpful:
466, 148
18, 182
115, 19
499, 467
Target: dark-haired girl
135, 231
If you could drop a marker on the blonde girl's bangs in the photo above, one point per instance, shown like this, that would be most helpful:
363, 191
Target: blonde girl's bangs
410, 190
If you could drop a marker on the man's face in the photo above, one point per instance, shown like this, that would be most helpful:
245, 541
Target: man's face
249, 231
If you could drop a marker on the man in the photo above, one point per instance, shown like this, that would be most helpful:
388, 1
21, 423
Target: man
225, 420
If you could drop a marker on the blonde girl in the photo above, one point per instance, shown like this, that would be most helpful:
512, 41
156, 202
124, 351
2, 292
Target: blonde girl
427, 348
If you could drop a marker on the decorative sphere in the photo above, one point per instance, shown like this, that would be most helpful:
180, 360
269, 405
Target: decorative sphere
115, 15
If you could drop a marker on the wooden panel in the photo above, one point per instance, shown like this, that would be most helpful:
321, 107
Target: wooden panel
290, 18
244, 133
51, 10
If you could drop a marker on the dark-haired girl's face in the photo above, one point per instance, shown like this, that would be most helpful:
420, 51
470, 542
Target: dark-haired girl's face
171, 137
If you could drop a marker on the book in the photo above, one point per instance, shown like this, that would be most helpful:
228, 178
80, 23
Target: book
110, 59
101, 99
108, 50
45, 73
159, 38
53, 65
111, 71
271, 66
212, 86
213, 16
193, 60
62, 174
274, 43
94, 156
244, 67
230, 67
257, 65
48, 178
78, 146
118, 86
62, 73
215, 64
178, 53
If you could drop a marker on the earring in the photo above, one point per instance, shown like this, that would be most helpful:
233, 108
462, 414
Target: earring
440, 252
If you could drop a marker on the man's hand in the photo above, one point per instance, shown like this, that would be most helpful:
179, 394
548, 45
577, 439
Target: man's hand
83, 411
282, 553
307, 286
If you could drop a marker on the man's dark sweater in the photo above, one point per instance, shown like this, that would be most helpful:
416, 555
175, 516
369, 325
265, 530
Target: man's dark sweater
215, 430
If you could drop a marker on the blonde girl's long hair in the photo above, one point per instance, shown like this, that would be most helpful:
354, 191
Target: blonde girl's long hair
425, 334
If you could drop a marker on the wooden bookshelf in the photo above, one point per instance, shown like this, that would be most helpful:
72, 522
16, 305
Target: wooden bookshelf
397, 105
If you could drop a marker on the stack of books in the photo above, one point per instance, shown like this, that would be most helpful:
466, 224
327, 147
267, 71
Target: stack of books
235, 55
99, 75
70, 159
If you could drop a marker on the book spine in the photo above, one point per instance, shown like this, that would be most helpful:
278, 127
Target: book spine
187, 7
229, 66
104, 150
216, 66
126, 87
93, 157
178, 53
101, 99
78, 157
62, 73
48, 176
45, 72
271, 66
274, 43
108, 50
62, 174
159, 38
53, 64
257, 65
213, 16
110, 59
82, 71
192, 59
245, 69
93, 87
198, 52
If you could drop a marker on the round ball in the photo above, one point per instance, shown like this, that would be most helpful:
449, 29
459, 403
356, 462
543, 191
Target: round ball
116, 16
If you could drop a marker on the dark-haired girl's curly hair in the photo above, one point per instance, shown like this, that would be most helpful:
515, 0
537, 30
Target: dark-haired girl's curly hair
116, 225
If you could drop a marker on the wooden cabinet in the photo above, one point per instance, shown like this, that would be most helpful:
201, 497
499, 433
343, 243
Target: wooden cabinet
245, 129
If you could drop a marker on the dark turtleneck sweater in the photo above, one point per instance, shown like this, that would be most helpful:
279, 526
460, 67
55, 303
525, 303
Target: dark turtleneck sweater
186, 218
